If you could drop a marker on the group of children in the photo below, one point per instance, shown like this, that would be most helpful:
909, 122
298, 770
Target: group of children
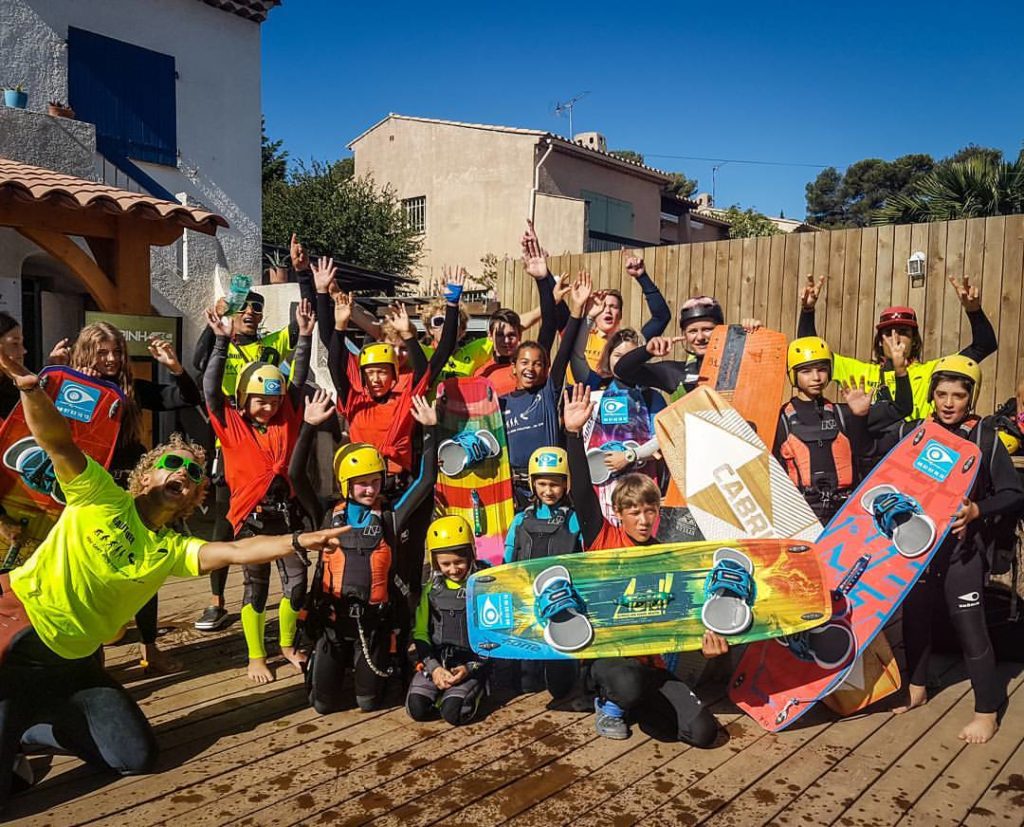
371, 602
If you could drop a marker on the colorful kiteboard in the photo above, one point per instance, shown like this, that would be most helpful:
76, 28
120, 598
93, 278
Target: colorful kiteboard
621, 420
646, 600
731, 483
875, 548
28, 486
748, 370
474, 479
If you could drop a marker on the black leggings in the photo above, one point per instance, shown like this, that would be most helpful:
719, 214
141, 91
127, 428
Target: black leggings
556, 676
960, 586
70, 706
661, 704
222, 532
333, 655
146, 620
457, 705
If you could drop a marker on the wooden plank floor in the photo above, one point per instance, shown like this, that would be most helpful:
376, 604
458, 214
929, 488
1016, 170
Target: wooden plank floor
235, 754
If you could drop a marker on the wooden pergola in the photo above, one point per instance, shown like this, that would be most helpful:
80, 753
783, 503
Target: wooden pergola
118, 227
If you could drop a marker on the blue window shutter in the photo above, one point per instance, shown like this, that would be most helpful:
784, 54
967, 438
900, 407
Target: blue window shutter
129, 94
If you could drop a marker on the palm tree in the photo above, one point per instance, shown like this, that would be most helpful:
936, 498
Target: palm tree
978, 187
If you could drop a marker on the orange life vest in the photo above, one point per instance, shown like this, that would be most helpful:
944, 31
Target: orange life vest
797, 454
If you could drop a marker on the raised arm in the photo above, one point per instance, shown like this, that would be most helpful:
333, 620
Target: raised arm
808, 300
213, 378
576, 412
548, 314
886, 411
337, 351
578, 358
660, 313
426, 414
455, 282
636, 369
48, 426
318, 410
983, 335
578, 297
535, 262
182, 393
305, 321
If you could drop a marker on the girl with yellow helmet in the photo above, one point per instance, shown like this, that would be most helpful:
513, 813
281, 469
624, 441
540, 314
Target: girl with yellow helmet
257, 435
449, 679
956, 574
356, 609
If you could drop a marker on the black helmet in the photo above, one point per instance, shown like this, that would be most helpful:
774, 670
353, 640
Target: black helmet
700, 307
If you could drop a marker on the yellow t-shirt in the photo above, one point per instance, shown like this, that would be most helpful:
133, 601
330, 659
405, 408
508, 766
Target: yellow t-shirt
847, 369
273, 348
98, 566
467, 360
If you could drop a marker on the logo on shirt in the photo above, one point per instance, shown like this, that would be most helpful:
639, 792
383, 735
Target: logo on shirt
77, 401
614, 411
936, 460
494, 611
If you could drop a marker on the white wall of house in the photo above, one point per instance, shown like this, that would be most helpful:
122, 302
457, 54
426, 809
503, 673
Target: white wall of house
217, 59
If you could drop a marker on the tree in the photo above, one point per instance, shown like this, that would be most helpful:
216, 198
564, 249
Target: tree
275, 159
335, 213
849, 200
627, 155
681, 186
978, 187
748, 223
995, 156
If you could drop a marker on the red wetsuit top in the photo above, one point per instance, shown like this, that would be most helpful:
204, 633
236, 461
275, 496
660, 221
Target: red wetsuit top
254, 456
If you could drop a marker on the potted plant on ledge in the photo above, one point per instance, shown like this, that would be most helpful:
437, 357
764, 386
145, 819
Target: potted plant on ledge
278, 268
58, 109
15, 96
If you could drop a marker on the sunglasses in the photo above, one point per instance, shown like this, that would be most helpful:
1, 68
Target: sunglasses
255, 307
437, 321
172, 462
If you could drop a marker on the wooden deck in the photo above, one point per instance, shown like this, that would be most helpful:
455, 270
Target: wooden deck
234, 754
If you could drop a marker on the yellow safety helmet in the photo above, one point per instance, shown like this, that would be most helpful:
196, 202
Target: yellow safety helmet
807, 350
549, 460
449, 533
261, 379
356, 459
1010, 442
957, 365
378, 353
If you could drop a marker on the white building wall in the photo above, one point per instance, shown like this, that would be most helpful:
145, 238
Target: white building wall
217, 58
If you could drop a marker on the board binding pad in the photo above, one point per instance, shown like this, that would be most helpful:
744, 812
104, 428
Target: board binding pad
475, 481
729, 480
748, 370
28, 488
644, 600
932, 467
621, 420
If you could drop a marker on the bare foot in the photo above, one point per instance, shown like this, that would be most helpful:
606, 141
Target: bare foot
295, 657
917, 696
981, 729
259, 672
157, 662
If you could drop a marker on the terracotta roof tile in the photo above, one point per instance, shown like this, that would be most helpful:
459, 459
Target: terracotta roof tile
38, 184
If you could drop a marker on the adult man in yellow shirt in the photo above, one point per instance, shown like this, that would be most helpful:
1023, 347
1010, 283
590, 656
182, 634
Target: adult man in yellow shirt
104, 559
903, 322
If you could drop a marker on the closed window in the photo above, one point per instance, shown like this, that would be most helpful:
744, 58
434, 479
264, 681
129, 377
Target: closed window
608, 215
129, 94
416, 212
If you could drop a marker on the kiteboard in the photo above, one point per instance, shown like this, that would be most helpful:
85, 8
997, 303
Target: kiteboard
646, 600
29, 491
874, 548
474, 479
748, 370
729, 480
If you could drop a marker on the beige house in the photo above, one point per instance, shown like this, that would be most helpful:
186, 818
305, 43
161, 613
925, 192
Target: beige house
470, 188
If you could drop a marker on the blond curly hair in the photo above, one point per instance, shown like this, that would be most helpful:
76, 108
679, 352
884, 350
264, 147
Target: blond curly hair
438, 307
145, 465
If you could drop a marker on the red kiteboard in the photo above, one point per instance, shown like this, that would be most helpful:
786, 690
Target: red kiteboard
875, 547
28, 486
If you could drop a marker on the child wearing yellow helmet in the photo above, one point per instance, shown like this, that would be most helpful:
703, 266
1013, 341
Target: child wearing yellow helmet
819, 442
370, 396
956, 574
450, 677
257, 435
356, 613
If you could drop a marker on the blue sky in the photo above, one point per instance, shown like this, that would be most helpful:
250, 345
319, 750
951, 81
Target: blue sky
786, 82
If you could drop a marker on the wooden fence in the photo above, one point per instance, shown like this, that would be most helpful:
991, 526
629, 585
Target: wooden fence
866, 271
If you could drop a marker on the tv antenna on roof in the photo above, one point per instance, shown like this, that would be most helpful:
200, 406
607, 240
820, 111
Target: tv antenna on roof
567, 107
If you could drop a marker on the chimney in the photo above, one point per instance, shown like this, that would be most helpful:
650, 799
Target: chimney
591, 140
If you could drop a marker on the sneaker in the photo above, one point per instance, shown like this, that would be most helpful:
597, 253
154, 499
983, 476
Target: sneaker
212, 618
610, 721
